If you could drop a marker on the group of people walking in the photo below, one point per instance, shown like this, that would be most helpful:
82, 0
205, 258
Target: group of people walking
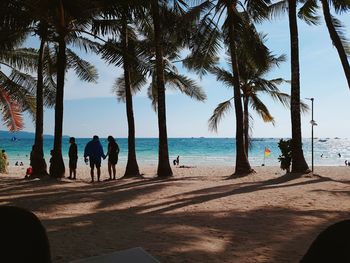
93, 155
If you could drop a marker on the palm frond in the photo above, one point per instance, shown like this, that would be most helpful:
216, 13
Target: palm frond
11, 112
185, 85
341, 33
20, 58
83, 69
278, 9
218, 114
308, 12
260, 108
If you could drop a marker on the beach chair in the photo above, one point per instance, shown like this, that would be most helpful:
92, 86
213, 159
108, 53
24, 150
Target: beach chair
23, 237
132, 255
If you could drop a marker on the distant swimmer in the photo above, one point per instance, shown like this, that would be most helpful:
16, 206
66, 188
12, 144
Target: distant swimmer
322, 155
339, 155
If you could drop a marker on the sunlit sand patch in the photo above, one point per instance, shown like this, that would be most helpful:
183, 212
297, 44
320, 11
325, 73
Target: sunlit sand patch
196, 239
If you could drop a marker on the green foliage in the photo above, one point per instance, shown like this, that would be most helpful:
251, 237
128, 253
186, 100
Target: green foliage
286, 157
2, 163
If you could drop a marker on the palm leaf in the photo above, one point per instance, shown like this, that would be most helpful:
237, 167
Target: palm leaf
218, 114
308, 12
185, 85
84, 70
11, 112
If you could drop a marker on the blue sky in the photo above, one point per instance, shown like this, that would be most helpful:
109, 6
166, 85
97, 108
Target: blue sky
93, 109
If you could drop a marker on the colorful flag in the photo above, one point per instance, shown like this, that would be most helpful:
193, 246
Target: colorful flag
267, 152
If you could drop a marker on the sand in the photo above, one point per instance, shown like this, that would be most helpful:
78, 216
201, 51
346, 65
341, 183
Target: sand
197, 216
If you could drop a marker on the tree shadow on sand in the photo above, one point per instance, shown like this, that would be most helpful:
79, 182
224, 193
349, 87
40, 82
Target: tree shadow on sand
171, 234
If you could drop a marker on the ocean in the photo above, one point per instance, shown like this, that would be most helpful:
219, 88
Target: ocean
193, 151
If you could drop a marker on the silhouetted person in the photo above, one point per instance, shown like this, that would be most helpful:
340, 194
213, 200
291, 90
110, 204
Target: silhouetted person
16, 164
346, 162
94, 151
73, 158
339, 155
177, 160
331, 245
23, 237
21, 164
322, 155
113, 151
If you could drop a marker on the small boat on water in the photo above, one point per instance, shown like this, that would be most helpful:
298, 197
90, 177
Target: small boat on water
321, 140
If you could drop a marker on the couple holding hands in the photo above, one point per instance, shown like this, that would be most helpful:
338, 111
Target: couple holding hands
94, 153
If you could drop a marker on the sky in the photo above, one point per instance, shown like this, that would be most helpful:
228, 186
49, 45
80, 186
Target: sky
93, 109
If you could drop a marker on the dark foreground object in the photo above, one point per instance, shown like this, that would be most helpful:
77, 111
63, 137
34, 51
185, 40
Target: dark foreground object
23, 237
332, 245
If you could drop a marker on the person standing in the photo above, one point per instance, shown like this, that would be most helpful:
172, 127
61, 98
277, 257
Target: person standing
113, 152
73, 158
94, 151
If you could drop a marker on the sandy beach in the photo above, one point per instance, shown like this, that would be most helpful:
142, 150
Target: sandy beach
199, 215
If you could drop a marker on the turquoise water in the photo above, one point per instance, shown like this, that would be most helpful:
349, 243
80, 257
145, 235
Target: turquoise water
193, 151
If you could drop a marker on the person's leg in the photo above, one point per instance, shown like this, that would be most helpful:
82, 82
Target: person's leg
75, 170
70, 172
114, 171
92, 174
110, 170
98, 173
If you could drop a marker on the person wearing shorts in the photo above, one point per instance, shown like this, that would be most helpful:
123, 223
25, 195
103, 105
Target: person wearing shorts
73, 158
94, 153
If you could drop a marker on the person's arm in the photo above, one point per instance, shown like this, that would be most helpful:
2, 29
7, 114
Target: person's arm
86, 152
102, 153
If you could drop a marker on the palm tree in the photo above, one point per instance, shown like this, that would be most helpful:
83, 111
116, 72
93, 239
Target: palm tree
116, 24
252, 84
299, 164
236, 26
70, 20
164, 169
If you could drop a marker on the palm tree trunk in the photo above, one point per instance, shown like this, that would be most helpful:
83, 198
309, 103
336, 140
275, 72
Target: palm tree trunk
57, 168
246, 125
299, 164
37, 158
164, 169
132, 168
336, 40
242, 163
